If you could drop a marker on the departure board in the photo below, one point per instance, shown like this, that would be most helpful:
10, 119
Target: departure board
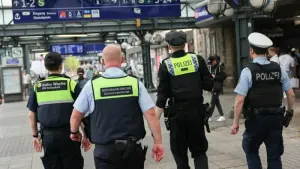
25, 11
68, 49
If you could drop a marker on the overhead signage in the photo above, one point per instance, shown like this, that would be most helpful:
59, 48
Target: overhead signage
17, 52
201, 14
94, 48
68, 49
25, 11
234, 3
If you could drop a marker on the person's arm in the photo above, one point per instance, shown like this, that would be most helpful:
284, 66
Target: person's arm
245, 82
287, 88
32, 105
154, 125
81, 108
238, 107
207, 78
162, 89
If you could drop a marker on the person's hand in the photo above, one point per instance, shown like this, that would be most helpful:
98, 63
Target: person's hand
37, 144
76, 137
158, 152
86, 144
235, 128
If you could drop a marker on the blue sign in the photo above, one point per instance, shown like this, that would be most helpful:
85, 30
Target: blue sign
68, 49
94, 48
201, 14
25, 11
12, 61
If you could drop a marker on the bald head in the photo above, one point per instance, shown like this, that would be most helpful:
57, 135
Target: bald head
112, 56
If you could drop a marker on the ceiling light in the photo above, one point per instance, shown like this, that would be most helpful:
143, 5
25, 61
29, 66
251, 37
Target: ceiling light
72, 36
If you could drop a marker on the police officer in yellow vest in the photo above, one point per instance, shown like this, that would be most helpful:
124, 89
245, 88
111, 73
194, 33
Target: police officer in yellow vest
117, 103
181, 80
52, 99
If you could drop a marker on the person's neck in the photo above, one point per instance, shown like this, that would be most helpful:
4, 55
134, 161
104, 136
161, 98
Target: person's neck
55, 72
173, 51
80, 77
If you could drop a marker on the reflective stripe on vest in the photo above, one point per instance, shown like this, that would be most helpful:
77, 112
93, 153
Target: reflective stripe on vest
105, 88
55, 90
183, 65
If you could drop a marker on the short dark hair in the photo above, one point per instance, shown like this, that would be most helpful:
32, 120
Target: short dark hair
53, 61
259, 51
80, 70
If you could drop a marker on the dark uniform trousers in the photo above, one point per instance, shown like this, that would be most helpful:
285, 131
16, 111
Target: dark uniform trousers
60, 151
187, 132
112, 157
263, 129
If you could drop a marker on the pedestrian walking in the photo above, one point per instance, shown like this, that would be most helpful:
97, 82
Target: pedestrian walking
26, 83
51, 103
259, 92
116, 104
81, 79
217, 71
181, 81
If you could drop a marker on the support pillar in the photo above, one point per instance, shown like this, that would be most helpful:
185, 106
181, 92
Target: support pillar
148, 81
243, 28
26, 60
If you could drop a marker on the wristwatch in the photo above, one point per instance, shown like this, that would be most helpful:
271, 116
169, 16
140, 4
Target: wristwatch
75, 132
36, 135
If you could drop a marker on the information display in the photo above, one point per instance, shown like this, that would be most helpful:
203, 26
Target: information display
68, 10
94, 48
201, 14
11, 81
68, 49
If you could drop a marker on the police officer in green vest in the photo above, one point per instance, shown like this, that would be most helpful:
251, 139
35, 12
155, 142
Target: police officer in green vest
182, 78
116, 104
51, 102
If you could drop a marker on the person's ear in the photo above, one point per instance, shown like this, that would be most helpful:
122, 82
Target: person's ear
102, 61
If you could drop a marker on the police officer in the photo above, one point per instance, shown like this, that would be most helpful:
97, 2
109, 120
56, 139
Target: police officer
181, 80
51, 102
116, 103
260, 91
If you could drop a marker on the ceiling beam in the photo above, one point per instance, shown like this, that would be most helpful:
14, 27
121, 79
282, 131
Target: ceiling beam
96, 27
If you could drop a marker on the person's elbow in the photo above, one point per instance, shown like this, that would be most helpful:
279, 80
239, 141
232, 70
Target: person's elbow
239, 100
31, 114
150, 114
76, 115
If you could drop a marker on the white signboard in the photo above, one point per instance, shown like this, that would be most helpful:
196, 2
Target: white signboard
11, 81
17, 52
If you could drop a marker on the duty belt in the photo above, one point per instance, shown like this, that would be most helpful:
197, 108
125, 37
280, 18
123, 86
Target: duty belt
268, 111
119, 142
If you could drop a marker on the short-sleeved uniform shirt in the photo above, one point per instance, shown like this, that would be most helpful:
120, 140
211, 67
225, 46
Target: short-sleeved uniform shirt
32, 102
85, 102
245, 82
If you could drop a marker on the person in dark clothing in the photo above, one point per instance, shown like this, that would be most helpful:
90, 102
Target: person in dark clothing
182, 79
81, 79
217, 70
51, 103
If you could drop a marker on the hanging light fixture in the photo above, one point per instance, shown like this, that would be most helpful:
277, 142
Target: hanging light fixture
216, 7
270, 6
258, 4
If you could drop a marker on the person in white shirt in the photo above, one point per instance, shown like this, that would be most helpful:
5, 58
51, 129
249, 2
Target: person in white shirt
26, 83
287, 62
273, 55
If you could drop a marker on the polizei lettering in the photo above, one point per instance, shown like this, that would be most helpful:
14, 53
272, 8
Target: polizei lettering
52, 85
183, 65
268, 76
116, 91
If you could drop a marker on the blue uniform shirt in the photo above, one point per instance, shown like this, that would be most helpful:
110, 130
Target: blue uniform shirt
245, 82
85, 101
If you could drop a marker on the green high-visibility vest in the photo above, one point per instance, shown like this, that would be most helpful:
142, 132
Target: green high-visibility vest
182, 65
117, 114
111, 88
55, 90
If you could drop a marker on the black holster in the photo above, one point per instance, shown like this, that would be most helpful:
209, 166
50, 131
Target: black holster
208, 113
288, 118
166, 117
